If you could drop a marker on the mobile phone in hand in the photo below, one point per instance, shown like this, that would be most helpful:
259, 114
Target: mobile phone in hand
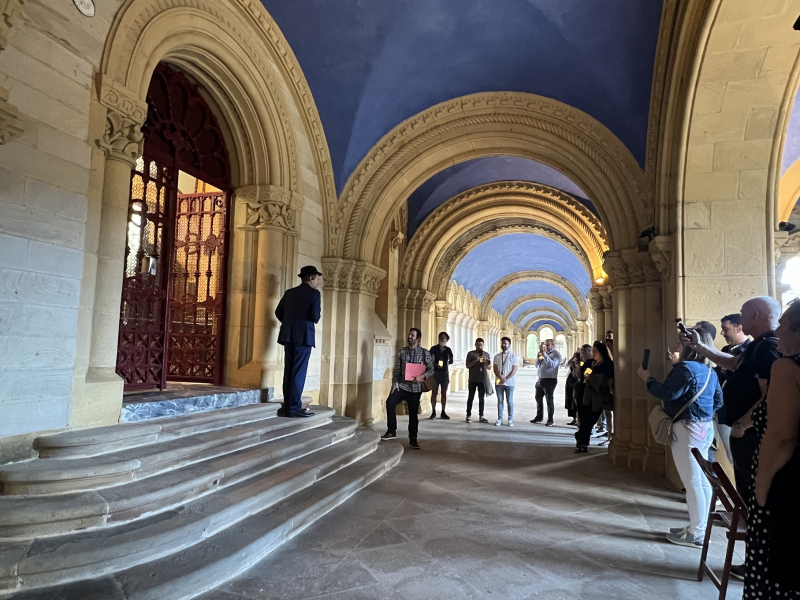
646, 358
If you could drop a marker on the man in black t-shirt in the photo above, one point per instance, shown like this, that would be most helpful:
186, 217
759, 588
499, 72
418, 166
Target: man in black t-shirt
736, 343
442, 358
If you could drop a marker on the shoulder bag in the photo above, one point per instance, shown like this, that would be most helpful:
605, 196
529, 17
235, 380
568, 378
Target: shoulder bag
661, 423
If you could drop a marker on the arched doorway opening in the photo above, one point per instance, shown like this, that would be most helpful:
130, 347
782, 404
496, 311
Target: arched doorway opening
172, 314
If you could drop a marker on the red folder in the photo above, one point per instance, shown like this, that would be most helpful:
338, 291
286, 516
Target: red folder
414, 370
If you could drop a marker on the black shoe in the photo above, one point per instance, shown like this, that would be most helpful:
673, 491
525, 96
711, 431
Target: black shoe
433, 415
483, 420
573, 422
444, 417
548, 424
738, 571
581, 449
389, 435
302, 415
414, 445
537, 420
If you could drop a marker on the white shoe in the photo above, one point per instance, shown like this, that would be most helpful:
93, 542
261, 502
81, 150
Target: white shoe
511, 423
498, 422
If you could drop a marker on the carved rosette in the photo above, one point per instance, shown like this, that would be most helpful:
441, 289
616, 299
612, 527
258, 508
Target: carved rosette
270, 207
122, 137
351, 276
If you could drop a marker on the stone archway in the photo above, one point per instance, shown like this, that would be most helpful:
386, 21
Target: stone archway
520, 276
568, 310
254, 86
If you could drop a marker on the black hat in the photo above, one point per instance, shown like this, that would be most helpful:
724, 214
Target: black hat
308, 271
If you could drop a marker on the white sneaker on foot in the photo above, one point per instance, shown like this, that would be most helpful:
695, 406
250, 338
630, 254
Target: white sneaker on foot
498, 422
511, 423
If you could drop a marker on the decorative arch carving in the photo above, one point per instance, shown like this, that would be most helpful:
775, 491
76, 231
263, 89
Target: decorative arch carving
532, 320
568, 310
493, 123
222, 45
550, 311
484, 212
519, 276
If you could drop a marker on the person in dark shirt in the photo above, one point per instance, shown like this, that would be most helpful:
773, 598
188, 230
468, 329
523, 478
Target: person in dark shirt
736, 342
442, 358
746, 386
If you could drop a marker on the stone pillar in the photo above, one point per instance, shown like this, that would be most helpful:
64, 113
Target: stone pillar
443, 310
263, 266
596, 303
97, 396
349, 341
414, 310
638, 324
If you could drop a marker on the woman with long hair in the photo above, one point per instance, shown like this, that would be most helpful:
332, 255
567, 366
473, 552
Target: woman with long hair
598, 394
690, 395
773, 523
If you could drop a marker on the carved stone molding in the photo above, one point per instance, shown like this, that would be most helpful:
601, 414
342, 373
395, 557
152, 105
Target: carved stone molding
608, 298
415, 299
270, 207
617, 269
11, 125
661, 254
122, 138
596, 299
9, 10
396, 239
352, 276
443, 309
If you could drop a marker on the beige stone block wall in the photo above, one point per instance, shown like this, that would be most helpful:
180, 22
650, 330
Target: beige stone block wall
46, 181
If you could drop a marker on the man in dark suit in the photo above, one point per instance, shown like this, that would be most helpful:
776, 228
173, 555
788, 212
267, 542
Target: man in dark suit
298, 311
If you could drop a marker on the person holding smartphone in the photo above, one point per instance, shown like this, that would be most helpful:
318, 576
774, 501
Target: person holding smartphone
477, 363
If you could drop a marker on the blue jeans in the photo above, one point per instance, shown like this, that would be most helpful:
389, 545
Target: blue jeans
508, 391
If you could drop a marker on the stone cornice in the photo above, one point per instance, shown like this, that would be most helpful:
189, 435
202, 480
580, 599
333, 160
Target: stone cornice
619, 188
351, 276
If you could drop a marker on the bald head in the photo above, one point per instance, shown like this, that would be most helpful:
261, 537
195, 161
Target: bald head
760, 315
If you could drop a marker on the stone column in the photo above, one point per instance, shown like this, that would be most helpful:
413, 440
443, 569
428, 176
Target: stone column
596, 303
349, 341
263, 267
97, 397
414, 310
443, 310
11, 125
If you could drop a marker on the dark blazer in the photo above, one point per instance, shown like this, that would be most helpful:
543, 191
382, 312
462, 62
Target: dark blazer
298, 311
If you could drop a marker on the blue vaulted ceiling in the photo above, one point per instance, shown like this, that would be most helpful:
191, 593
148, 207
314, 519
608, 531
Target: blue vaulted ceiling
531, 305
372, 64
552, 324
473, 173
494, 259
529, 288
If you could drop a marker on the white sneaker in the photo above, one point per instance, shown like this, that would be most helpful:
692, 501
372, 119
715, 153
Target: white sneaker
498, 422
511, 423
684, 538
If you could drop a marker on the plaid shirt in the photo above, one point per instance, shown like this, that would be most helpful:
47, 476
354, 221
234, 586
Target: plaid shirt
416, 356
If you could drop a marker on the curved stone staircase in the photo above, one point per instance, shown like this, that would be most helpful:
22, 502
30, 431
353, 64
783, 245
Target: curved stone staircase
170, 508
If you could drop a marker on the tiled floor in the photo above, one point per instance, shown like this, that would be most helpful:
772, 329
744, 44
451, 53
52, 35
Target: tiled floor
491, 512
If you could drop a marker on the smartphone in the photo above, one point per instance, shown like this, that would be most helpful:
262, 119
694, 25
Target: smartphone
646, 358
681, 326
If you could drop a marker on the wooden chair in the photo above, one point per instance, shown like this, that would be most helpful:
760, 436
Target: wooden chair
733, 519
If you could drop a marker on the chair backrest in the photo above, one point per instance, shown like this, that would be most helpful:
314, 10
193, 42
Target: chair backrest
719, 480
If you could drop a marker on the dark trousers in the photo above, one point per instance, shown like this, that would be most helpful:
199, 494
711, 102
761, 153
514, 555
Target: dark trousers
475, 385
294, 376
588, 418
412, 400
545, 388
743, 449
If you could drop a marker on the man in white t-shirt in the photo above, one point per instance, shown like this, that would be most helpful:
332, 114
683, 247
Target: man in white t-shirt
505, 368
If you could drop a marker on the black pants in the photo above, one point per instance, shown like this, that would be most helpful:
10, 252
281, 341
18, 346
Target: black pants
412, 400
743, 449
295, 368
545, 388
475, 385
588, 418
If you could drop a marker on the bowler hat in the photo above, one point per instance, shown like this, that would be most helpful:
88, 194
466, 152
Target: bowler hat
308, 271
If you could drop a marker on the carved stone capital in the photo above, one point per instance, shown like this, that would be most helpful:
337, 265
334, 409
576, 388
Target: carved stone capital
9, 10
786, 248
608, 298
351, 275
396, 239
443, 309
11, 125
122, 138
661, 254
617, 269
596, 299
410, 299
641, 267
270, 207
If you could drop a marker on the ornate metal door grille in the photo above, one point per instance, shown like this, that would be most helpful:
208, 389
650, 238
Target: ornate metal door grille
198, 288
176, 245
143, 314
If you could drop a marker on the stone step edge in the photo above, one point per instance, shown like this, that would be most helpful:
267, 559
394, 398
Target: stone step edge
75, 561
237, 549
119, 505
113, 438
41, 477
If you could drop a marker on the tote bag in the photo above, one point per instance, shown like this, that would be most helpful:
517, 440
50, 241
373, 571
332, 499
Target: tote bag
661, 423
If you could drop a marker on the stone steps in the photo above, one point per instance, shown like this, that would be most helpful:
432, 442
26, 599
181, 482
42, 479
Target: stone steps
59, 475
185, 525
